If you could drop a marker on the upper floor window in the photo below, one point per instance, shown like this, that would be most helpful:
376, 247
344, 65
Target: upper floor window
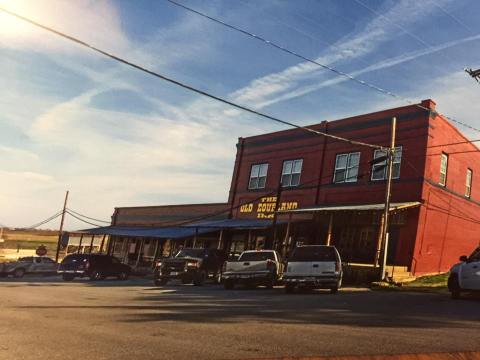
258, 176
291, 172
443, 169
346, 168
468, 183
379, 169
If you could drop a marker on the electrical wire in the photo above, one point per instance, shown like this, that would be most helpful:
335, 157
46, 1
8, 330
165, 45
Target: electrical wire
54, 216
184, 85
88, 217
82, 220
324, 66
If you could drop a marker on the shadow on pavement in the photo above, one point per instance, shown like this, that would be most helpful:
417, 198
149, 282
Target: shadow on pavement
213, 304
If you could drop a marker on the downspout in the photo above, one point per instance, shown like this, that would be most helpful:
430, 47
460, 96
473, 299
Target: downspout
322, 160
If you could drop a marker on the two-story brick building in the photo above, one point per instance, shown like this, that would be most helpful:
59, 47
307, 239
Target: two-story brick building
331, 192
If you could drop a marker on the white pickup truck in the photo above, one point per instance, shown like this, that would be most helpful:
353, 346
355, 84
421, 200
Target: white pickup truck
465, 276
253, 268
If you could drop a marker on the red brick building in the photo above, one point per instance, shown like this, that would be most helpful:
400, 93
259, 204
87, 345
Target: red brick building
332, 193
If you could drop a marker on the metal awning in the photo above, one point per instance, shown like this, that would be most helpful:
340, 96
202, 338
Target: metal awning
176, 232
365, 207
234, 224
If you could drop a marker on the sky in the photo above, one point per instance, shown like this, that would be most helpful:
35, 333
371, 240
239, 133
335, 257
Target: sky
73, 120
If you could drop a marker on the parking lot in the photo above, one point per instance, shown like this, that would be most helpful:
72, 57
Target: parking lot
43, 317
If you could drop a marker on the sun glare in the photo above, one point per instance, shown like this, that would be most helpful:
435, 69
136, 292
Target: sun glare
10, 26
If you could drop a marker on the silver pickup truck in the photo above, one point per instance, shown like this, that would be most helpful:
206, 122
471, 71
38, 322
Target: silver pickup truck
28, 265
253, 268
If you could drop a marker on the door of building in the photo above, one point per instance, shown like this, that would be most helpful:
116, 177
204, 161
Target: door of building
393, 237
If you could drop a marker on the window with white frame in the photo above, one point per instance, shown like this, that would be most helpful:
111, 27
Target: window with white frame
346, 168
292, 169
258, 176
379, 169
468, 183
443, 169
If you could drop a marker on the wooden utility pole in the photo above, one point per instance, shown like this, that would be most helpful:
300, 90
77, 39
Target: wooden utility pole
60, 232
388, 192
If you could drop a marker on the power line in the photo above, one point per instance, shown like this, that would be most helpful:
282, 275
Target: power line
54, 216
82, 220
88, 217
324, 66
185, 86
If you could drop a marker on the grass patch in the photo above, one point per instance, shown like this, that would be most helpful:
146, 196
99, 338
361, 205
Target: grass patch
423, 283
434, 281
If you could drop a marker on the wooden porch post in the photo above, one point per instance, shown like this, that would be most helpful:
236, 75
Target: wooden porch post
80, 244
91, 244
157, 244
287, 235
220, 240
195, 237
329, 233
126, 251
102, 243
139, 251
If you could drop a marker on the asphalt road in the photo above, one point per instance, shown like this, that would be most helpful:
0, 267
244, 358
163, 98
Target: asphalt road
45, 318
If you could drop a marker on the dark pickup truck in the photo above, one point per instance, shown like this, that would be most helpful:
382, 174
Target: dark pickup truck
190, 266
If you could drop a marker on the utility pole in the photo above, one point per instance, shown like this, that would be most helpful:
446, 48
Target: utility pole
474, 74
60, 232
274, 221
388, 192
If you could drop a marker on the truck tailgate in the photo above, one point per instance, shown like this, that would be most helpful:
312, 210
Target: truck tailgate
246, 266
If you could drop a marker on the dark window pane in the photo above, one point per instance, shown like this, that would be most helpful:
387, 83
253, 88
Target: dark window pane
286, 179
295, 180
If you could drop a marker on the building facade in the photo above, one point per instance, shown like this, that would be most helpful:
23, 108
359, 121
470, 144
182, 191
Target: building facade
330, 191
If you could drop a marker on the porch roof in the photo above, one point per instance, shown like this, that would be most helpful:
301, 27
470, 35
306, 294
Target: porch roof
176, 232
364, 207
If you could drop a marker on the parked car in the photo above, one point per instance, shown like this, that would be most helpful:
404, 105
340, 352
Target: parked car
253, 268
465, 276
94, 266
190, 266
313, 267
29, 265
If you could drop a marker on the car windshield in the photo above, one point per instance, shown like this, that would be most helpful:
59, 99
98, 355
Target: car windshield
257, 256
313, 253
190, 253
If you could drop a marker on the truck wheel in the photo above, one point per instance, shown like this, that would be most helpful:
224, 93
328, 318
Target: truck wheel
161, 282
454, 287
68, 277
270, 283
96, 275
289, 288
199, 278
229, 284
18, 273
123, 275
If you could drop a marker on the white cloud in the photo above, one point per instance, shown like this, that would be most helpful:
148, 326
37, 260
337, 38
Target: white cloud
262, 91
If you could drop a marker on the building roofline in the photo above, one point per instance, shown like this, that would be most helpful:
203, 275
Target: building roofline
428, 103
170, 206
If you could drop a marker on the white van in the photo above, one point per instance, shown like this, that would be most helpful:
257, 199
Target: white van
313, 267
465, 276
